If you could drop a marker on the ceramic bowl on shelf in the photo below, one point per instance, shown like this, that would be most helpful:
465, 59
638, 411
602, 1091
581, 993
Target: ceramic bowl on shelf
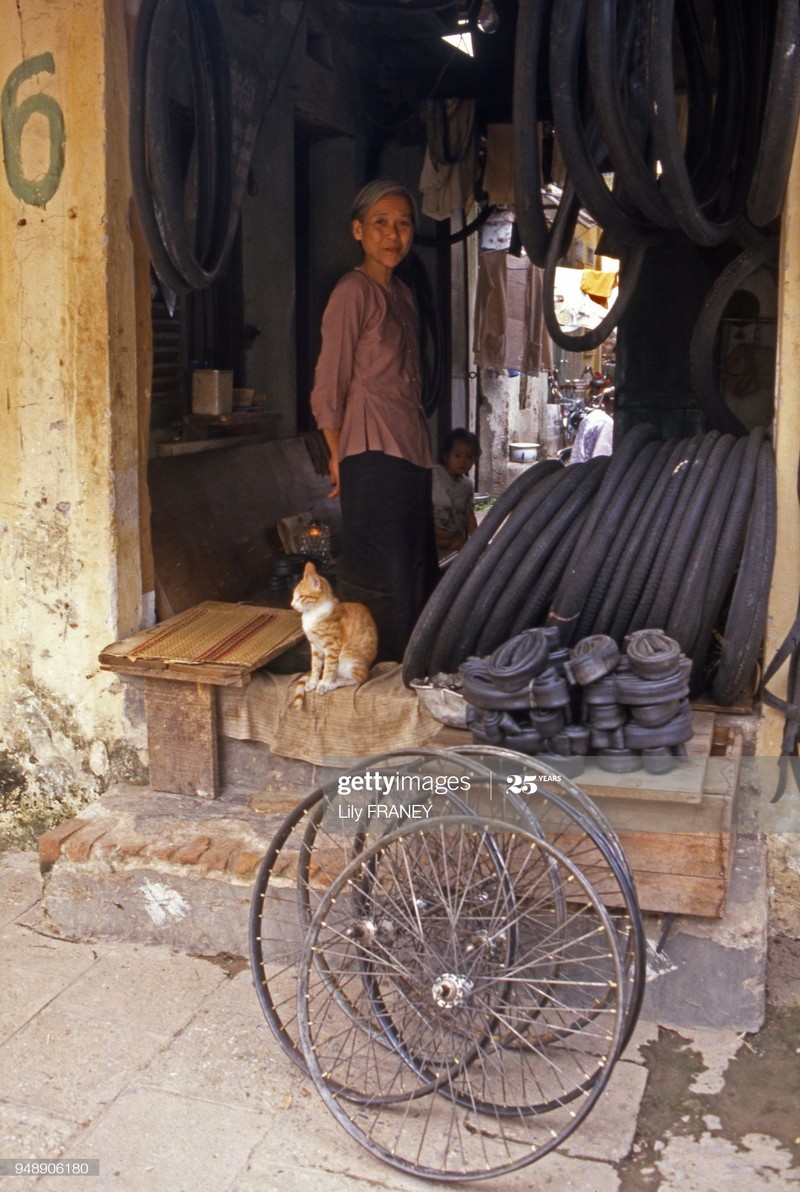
523, 453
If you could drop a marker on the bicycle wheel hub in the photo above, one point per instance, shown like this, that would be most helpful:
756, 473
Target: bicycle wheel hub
450, 991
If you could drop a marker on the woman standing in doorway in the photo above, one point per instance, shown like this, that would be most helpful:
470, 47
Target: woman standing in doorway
367, 403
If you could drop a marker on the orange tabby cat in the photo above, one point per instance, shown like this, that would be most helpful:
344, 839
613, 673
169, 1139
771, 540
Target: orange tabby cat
343, 637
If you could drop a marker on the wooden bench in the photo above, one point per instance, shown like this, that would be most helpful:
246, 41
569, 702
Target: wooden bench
214, 533
180, 696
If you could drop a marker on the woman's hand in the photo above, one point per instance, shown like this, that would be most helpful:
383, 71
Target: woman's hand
333, 468
331, 437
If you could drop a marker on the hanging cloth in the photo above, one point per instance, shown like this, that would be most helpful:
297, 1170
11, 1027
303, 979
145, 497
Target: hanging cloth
509, 323
450, 169
498, 175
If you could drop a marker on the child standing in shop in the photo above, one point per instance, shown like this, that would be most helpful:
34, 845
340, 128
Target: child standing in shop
453, 491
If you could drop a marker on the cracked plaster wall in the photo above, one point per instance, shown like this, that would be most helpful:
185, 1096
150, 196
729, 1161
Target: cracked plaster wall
70, 579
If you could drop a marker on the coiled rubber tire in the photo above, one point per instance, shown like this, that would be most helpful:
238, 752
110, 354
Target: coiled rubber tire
641, 618
137, 141
537, 600
653, 458
676, 180
629, 270
744, 626
703, 373
475, 601
726, 556
630, 573
526, 578
566, 73
532, 28
779, 123
695, 518
605, 514
624, 128
415, 660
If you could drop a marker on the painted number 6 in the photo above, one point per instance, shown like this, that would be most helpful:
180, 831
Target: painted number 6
14, 117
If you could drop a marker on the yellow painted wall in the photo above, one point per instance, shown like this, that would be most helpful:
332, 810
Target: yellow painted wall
786, 579
780, 820
69, 554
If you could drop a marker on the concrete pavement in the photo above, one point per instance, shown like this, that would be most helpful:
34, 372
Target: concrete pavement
160, 1066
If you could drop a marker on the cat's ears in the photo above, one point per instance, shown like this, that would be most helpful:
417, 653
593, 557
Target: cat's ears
310, 572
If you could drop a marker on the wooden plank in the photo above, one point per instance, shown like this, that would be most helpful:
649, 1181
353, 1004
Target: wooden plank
182, 737
742, 705
116, 656
683, 784
722, 767
676, 830
195, 446
669, 894
181, 672
682, 854
712, 814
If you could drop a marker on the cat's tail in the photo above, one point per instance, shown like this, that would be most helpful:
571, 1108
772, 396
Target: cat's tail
300, 691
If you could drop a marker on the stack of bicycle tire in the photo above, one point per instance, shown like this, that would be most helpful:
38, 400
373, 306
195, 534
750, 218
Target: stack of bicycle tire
677, 535
628, 710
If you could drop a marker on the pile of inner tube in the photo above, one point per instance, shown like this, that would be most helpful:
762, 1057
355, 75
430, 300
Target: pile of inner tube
629, 710
677, 535
604, 73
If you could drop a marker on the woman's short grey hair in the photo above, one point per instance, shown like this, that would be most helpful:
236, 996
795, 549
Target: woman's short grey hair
374, 191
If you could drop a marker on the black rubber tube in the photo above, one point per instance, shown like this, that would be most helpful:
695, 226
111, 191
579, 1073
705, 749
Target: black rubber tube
625, 128
462, 234
703, 373
534, 609
566, 38
415, 661
688, 605
629, 269
526, 576
137, 139
695, 515
716, 162
779, 124
676, 182
601, 539
532, 21
726, 556
624, 585
474, 603
655, 456
641, 618
587, 556
199, 264
699, 96
747, 615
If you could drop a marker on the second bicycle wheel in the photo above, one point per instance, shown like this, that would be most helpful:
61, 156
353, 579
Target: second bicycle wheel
434, 976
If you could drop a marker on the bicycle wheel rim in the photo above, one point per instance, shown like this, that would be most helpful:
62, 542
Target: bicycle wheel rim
410, 1140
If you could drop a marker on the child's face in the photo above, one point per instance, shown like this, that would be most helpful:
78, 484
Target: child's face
459, 460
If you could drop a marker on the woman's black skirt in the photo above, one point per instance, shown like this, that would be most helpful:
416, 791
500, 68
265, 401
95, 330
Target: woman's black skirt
388, 559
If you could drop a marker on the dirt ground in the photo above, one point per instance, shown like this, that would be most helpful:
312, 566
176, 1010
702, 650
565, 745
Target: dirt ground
744, 1104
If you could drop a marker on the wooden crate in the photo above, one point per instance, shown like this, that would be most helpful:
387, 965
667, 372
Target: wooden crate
678, 829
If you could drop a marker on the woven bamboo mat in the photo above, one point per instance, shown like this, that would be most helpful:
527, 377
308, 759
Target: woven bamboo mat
223, 633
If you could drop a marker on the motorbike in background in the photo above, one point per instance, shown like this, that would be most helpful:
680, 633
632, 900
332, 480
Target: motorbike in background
575, 400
